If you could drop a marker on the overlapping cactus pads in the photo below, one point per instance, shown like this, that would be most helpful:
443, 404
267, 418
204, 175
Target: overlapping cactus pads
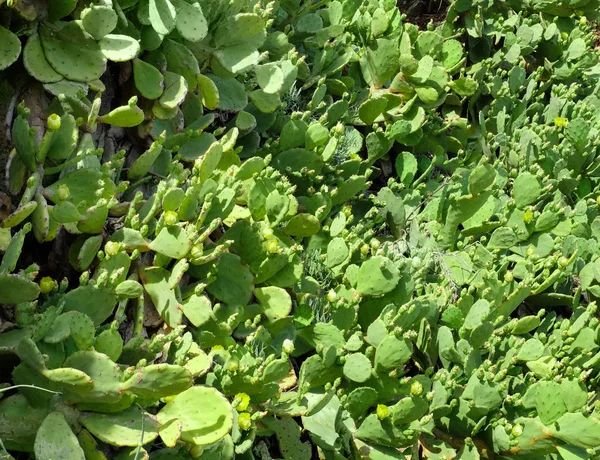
299, 229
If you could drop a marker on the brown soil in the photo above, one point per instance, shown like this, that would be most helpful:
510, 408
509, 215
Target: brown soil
422, 12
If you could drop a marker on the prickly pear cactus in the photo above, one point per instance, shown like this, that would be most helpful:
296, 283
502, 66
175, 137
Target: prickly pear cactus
299, 229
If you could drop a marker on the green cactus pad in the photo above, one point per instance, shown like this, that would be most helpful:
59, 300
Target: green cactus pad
234, 283
159, 380
71, 379
383, 432
156, 284
19, 423
172, 242
69, 89
337, 252
199, 364
275, 302
148, 79
176, 88
288, 434
97, 303
12, 252
231, 93
196, 147
11, 48
90, 446
24, 375
105, 374
83, 252
130, 427
205, 413
15, 173
377, 276
241, 28
197, 309
23, 141
110, 343
162, 15
73, 54
30, 354
191, 23
66, 212
144, 163
371, 109
412, 408
64, 139
269, 77
303, 225
208, 92
265, 102
83, 185
531, 350
170, 432
129, 289
526, 190
119, 48
19, 215
126, 116
392, 352
150, 39
16, 289
61, 8
360, 400
74, 324
357, 367
55, 439
99, 20
578, 430
36, 63
131, 239
40, 219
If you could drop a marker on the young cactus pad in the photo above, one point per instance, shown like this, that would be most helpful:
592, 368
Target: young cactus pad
205, 414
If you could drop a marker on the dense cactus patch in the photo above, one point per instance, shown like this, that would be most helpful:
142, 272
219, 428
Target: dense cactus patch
299, 229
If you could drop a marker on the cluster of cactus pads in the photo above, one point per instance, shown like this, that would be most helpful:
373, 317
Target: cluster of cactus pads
299, 230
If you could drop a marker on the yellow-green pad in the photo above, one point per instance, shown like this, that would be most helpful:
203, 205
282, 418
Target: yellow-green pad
205, 413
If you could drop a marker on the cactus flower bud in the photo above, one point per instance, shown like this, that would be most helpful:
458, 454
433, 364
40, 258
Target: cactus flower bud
560, 122
364, 249
47, 285
241, 401
288, 346
63, 193
331, 296
112, 248
517, 430
375, 244
53, 122
382, 411
244, 421
267, 233
171, 218
84, 278
416, 389
272, 246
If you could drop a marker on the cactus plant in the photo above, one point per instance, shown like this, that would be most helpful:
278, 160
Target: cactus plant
299, 230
